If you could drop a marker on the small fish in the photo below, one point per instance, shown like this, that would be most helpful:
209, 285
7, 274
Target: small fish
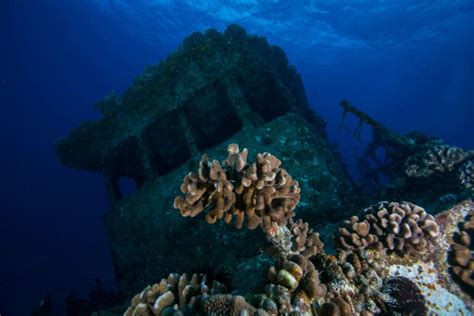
447, 198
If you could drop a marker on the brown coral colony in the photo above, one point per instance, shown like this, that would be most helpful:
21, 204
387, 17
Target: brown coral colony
402, 227
442, 158
260, 192
180, 294
462, 252
303, 279
176, 290
466, 176
306, 240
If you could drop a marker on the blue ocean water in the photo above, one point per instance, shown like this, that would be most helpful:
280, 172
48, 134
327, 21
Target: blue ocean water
408, 63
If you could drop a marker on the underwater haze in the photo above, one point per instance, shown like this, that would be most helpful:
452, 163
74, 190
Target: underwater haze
407, 64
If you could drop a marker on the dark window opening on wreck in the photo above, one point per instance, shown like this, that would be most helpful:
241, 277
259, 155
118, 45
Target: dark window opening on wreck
166, 144
126, 160
268, 100
127, 186
380, 155
211, 116
120, 187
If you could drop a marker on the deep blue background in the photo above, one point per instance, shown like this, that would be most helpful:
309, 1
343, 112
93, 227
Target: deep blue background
410, 66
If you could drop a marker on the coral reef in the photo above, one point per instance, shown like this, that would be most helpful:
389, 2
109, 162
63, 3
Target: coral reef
462, 251
402, 227
299, 276
261, 192
451, 163
177, 293
365, 278
337, 306
181, 295
392, 261
145, 220
466, 176
442, 158
304, 240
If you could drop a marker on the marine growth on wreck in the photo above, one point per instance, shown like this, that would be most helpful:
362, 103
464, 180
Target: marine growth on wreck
394, 261
291, 232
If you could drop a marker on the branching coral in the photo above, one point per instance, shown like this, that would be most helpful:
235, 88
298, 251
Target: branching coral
261, 192
402, 227
463, 252
438, 159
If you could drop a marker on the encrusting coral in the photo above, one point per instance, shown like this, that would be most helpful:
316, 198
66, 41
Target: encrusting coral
463, 253
402, 227
371, 273
261, 192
